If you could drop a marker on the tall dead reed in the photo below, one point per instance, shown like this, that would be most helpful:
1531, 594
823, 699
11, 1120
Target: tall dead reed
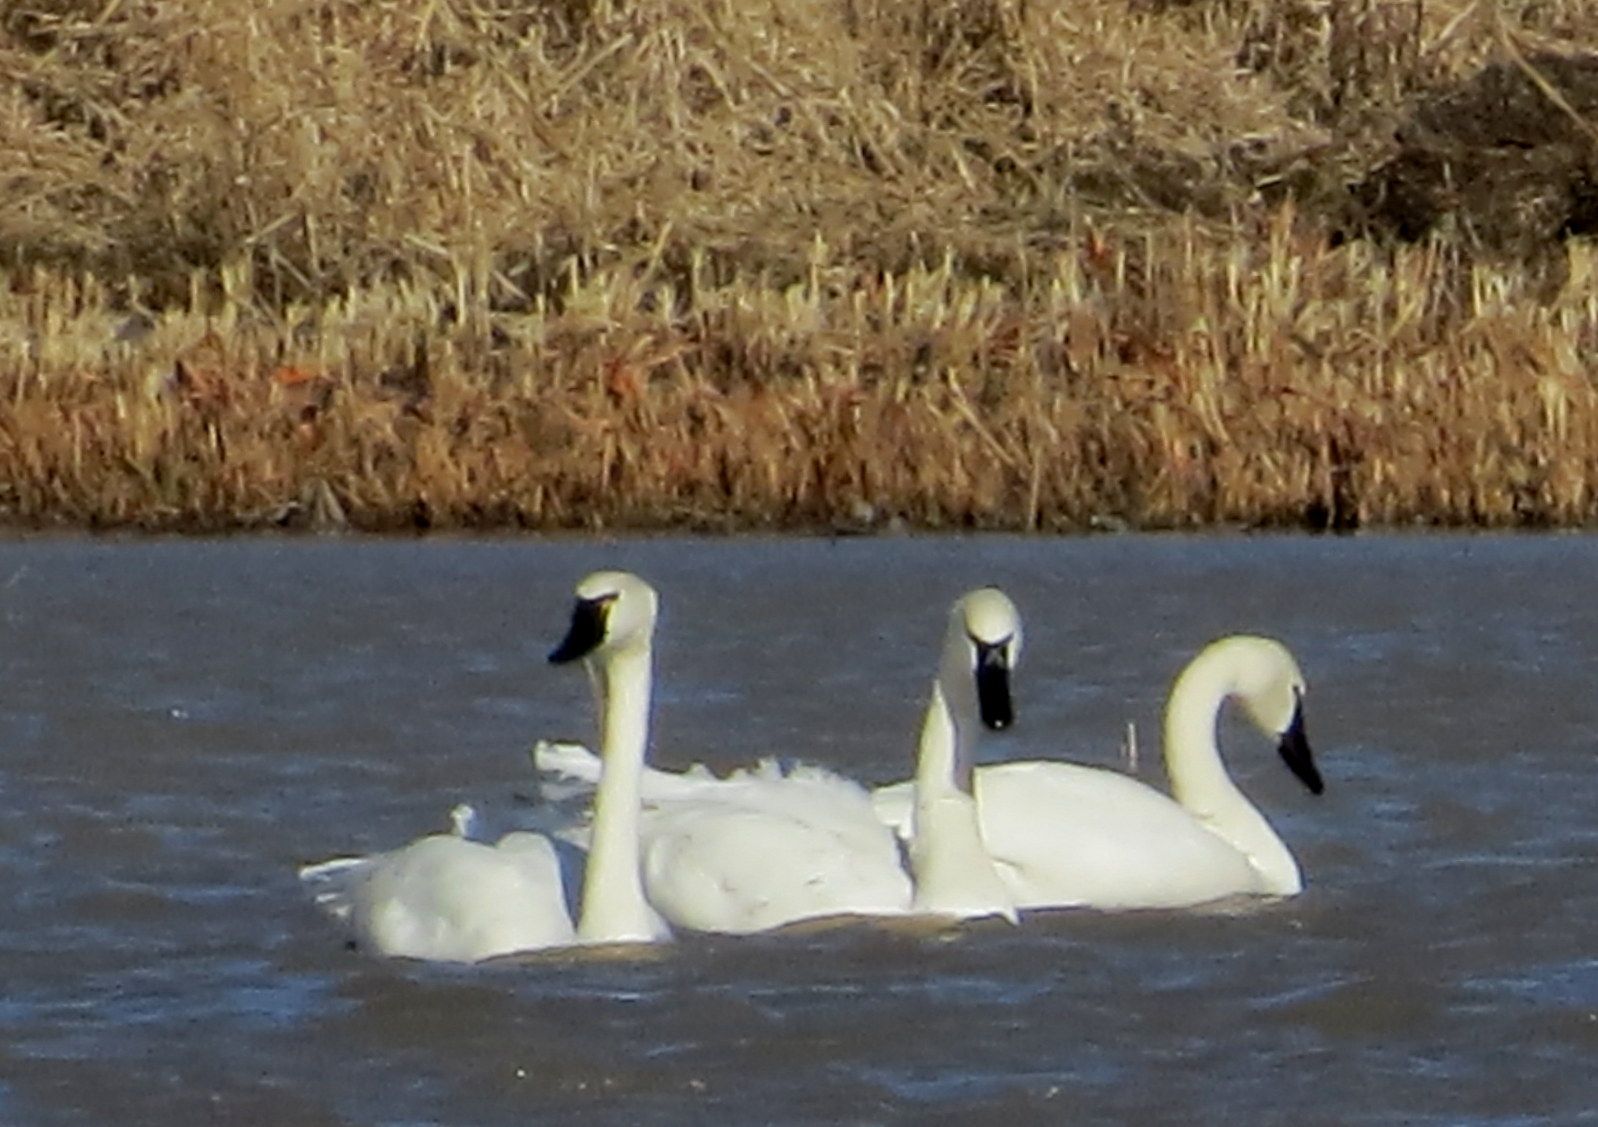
590, 263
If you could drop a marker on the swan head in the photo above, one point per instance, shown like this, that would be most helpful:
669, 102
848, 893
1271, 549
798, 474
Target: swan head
615, 611
1269, 685
983, 647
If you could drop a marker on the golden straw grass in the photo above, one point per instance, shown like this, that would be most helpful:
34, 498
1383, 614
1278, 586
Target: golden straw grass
581, 264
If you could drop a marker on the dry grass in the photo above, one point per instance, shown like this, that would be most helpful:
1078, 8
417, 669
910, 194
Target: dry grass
987, 263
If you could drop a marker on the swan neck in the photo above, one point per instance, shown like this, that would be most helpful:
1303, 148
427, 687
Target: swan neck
1202, 785
614, 909
954, 875
1199, 780
942, 754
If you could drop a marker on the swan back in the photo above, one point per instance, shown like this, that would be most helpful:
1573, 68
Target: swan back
768, 847
447, 898
762, 847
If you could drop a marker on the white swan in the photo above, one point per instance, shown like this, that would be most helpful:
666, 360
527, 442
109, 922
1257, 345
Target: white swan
445, 897
448, 898
1065, 834
763, 848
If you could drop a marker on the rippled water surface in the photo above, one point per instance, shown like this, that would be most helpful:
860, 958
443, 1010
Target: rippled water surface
182, 723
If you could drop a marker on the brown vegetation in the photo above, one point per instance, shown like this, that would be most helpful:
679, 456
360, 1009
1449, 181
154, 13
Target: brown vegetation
970, 263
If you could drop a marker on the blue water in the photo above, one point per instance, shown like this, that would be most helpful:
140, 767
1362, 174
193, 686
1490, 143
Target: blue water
183, 722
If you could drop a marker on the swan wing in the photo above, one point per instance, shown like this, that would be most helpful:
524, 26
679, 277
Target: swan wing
820, 800
742, 864
766, 845
1063, 834
445, 898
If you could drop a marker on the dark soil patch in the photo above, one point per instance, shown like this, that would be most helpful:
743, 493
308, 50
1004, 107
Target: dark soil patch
1495, 158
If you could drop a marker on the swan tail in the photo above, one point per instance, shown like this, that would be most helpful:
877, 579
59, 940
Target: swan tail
331, 883
464, 820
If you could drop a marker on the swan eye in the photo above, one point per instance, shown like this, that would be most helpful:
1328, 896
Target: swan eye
992, 653
589, 627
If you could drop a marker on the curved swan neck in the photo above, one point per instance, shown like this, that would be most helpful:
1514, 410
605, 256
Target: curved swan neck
1200, 782
954, 875
614, 909
1199, 779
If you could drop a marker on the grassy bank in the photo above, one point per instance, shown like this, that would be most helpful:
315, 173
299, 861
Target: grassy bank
997, 264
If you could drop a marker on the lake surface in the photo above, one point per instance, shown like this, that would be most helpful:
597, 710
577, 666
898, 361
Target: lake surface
184, 722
